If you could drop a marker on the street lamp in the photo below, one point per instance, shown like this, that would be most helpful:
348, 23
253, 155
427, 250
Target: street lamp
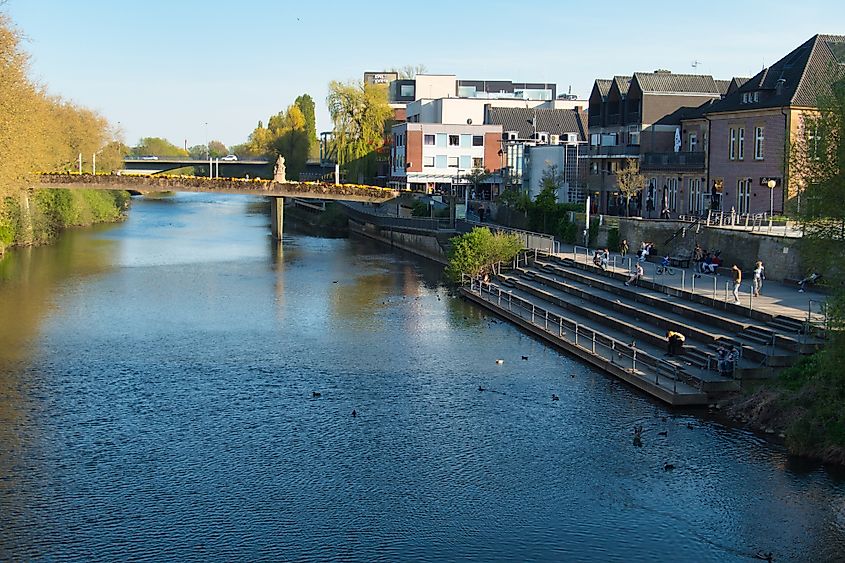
771, 183
206, 141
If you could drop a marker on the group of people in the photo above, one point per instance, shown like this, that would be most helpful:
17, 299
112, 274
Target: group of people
727, 358
706, 262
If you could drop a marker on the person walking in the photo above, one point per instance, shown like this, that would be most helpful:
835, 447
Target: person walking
737, 273
698, 257
759, 276
623, 247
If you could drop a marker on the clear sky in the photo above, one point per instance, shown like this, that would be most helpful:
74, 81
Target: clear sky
165, 68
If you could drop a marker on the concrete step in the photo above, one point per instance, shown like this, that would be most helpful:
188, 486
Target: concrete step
633, 305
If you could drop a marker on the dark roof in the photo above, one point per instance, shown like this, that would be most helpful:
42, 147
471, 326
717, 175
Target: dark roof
552, 121
603, 85
622, 83
736, 84
723, 86
798, 79
666, 82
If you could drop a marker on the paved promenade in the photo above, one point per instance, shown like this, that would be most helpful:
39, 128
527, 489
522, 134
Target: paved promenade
776, 298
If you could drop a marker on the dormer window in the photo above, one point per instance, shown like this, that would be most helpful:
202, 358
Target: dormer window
750, 97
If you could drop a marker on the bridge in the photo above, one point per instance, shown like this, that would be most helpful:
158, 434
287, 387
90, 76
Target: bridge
240, 168
276, 191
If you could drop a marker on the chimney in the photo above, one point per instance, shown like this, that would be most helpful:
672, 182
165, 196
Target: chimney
779, 86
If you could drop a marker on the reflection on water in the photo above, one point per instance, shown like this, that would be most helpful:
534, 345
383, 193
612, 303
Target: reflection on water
156, 401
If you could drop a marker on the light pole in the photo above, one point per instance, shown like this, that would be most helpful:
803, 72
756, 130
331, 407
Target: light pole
206, 141
771, 183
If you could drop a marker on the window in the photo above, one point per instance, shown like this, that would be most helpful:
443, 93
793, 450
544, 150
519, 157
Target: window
693, 142
740, 143
428, 161
634, 135
671, 197
406, 90
428, 140
440, 161
441, 139
743, 195
695, 196
595, 139
477, 162
466, 141
453, 162
466, 162
478, 140
454, 140
758, 143
732, 145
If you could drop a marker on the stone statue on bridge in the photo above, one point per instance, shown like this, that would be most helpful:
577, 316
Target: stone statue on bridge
279, 170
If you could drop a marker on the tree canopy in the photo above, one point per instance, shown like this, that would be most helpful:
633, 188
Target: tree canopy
359, 113
476, 252
629, 181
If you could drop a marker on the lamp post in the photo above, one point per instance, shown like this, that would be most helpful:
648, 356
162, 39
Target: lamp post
206, 141
771, 183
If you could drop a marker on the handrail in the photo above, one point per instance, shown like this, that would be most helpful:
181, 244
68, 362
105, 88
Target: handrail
614, 348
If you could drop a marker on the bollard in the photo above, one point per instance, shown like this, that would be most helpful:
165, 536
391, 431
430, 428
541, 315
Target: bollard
532, 313
560, 332
546, 327
683, 280
714, 287
576, 334
594, 342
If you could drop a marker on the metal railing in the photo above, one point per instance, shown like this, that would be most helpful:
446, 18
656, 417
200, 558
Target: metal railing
660, 372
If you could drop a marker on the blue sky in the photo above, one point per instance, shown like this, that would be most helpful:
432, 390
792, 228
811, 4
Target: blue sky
165, 68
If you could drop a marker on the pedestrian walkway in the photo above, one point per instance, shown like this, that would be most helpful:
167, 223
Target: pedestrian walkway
776, 299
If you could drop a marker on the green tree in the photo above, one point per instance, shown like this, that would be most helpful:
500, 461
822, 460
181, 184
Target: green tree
359, 113
156, 146
476, 252
216, 149
306, 105
629, 181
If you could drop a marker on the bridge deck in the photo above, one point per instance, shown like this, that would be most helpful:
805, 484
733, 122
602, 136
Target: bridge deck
306, 190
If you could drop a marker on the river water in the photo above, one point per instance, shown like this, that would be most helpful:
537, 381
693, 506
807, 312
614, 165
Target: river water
156, 403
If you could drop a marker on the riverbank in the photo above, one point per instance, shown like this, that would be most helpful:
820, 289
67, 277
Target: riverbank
36, 217
803, 406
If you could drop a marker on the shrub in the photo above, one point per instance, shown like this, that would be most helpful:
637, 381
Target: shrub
475, 252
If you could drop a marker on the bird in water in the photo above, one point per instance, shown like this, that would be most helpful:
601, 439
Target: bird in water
663, 433
354, 413
500, 361
555, 397
668, 467
524, 357
316, 394
480, 388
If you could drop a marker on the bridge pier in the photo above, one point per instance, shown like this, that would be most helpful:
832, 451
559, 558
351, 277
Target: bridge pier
277, 216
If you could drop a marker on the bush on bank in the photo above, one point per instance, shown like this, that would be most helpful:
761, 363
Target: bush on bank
474, 253
37, 217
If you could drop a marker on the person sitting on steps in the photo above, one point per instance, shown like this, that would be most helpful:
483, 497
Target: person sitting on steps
636, 274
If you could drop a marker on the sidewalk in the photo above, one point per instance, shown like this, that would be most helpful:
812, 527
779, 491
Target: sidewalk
776, 298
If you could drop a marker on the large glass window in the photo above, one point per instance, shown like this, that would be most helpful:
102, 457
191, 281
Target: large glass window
478, 140
740, 143
428, 140
758, 143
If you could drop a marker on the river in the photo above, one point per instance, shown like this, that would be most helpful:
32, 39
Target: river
157, 383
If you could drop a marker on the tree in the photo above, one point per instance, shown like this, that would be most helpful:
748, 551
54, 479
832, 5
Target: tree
408, 72
156, 146
476, 177
476, 252
216, 149
306, 105
630, 182
359, 113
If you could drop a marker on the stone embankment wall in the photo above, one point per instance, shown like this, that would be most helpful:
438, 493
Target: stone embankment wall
780, 255
423, 244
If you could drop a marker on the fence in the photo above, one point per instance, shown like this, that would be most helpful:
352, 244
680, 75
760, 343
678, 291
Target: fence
660, 372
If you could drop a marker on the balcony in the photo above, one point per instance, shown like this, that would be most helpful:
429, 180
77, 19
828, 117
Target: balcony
672, 161
615, 151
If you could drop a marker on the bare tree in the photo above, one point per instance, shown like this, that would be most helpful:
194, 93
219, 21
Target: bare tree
630, 182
